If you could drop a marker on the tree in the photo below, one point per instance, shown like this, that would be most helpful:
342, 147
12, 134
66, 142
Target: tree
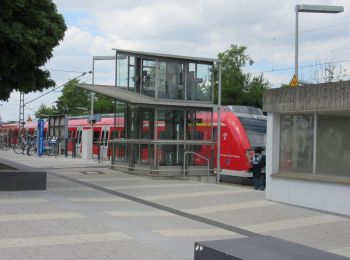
239, 88
45, 111
252, 96
103, 104
29, 30
327, 72
73, 99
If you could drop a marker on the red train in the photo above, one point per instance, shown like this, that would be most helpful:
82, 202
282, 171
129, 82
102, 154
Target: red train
242, 130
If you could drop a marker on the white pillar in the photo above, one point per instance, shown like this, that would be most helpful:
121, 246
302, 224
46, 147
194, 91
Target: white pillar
86, 142
272, 150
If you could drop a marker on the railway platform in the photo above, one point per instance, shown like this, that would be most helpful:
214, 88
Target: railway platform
92, 212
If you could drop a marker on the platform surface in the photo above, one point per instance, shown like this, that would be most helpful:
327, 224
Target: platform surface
86, 213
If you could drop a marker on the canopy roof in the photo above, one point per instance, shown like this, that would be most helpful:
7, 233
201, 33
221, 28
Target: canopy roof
135, 98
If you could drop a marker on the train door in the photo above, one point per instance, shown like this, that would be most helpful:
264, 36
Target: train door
72, 139
78, 144
96, 140
104, 141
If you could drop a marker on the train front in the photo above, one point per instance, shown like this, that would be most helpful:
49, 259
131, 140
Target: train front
243, 132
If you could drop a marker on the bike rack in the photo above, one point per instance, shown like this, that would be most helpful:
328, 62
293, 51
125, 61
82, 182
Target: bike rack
201, 156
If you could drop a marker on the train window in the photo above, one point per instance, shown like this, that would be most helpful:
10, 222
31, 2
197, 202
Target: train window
242, 110
96, 137
122, 134
255, 130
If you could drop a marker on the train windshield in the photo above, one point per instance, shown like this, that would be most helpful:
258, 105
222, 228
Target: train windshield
255, 129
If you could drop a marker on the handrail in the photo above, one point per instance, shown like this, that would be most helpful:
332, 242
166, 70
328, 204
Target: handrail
200, 156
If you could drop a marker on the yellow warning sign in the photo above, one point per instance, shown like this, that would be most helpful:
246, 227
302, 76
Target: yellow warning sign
294, 83
29, 119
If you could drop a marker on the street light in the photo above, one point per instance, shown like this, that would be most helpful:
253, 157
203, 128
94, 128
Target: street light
328, 9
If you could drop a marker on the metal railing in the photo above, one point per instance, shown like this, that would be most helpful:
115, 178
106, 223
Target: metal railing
200, 156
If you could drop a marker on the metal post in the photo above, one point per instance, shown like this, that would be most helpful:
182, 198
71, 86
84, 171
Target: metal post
128, 72
314, 165
115, 109
114, 132
184, 166
65, 147
157, 79
212, 155
92, 106
185, 69
219, 127
296, 41
208, 172
155, 137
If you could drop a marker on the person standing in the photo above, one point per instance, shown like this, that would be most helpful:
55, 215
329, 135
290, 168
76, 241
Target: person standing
258, 165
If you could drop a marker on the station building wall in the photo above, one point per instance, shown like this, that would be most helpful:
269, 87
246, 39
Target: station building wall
308, 147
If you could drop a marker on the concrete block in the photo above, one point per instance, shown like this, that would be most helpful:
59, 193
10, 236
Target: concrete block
258, 248
12, 180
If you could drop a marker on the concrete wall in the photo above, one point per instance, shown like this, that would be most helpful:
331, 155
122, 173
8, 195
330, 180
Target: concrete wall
318, 195
327, 96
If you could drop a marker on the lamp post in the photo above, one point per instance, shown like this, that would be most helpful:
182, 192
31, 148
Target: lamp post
328, 9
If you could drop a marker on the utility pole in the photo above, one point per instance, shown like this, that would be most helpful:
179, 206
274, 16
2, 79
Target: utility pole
21, 110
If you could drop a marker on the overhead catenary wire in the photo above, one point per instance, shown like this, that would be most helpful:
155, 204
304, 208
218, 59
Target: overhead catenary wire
52, 90
273, 67
291, 34
303, 66
305, 53
30, 108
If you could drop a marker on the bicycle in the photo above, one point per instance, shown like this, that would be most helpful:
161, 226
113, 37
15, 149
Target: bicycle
32, 148
21, 145
51, 146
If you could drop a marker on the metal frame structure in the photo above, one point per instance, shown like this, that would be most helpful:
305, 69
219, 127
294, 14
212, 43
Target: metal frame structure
140, 100
21, 119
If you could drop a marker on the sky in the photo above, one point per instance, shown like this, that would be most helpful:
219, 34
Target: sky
200, 28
